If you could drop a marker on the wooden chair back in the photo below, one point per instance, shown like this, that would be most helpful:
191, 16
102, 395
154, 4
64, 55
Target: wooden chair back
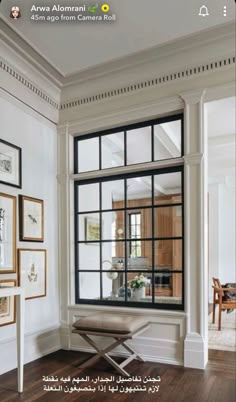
218, 293
217, 290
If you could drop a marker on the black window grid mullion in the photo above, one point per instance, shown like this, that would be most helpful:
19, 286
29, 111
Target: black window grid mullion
129, 231
100, 243
152, 143
153, 243
182, 217
130, 240
126, 262
176, 204
159, 171
77, 278
76, 167
100, 155
156, 172
125, 148
149, 271
182, 135
153, 122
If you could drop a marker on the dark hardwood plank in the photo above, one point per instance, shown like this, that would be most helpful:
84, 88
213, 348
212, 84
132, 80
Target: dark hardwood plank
215, 384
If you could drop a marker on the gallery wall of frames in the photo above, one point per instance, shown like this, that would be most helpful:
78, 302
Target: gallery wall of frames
26, 267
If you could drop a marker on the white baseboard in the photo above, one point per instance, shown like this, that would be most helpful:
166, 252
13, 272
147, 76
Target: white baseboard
195, 351
37, 344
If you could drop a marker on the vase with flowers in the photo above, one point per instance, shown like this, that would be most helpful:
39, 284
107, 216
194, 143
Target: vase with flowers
138, 284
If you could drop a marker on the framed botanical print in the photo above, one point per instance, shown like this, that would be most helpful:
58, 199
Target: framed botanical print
7, 304
7, 233
33, 272
31, 219
10, 164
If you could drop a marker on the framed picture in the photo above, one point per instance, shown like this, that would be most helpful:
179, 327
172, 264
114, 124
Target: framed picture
33, 272
31, 219
7, 233
92, 229
7, 305
10, 164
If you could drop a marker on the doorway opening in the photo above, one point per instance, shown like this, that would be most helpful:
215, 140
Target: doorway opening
221, 131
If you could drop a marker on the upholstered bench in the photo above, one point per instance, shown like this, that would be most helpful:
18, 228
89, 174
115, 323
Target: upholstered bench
119, 327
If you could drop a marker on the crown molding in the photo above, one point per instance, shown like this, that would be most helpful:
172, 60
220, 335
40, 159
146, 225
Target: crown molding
182, 59
29, 52
187, 73
28, 84
25, 50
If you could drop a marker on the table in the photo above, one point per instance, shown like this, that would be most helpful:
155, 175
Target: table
20, 300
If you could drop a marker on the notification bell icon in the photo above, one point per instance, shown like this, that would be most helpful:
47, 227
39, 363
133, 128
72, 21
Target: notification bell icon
203, 12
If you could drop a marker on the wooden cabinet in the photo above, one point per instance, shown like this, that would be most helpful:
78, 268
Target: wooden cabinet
168, 253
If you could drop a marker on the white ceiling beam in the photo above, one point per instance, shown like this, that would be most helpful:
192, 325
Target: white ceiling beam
161, 135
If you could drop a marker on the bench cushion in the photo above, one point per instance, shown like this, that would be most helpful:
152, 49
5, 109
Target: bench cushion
105, 322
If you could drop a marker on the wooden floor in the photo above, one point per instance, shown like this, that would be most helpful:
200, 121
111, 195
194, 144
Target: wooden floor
178, 384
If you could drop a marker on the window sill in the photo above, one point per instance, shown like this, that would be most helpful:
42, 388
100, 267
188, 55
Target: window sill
126, 310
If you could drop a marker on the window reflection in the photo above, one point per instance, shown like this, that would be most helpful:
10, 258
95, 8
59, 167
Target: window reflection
88, 147
139, 145
112, 150
167, 140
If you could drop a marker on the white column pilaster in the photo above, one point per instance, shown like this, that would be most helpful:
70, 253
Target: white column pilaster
66, 243
196, 342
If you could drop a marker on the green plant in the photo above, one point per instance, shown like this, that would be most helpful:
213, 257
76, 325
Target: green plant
139, 281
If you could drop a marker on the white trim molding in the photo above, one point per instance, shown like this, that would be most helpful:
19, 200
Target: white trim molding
163, 342
28, 84
195, 344
122, 115
179, 75
176, 62
195, 348
193, 159
26, 51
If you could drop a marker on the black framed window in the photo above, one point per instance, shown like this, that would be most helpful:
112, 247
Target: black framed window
159, 139
131, 225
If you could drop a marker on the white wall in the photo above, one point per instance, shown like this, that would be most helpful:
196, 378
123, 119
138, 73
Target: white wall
213, 210
221, 234
227, 234
37, 138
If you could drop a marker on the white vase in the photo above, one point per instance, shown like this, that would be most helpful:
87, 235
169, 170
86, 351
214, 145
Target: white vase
139, 294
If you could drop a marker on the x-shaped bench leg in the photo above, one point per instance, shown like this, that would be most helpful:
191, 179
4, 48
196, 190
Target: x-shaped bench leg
127, 347
104, 353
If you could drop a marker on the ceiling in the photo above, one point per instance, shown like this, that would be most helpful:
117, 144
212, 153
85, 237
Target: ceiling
75, 46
